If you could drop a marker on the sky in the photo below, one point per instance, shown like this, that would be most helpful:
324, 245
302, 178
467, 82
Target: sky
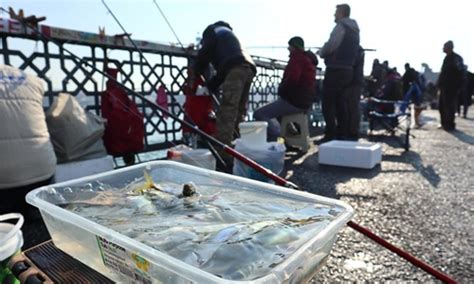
401, 31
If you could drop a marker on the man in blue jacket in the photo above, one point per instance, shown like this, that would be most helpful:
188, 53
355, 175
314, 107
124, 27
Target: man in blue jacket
235, 71
339, 54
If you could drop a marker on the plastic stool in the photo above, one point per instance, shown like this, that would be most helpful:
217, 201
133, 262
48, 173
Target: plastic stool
300, 140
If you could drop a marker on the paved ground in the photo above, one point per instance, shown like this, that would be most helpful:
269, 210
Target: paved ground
421, 201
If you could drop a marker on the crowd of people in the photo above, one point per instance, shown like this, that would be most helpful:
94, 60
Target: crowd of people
449, 92
342, 87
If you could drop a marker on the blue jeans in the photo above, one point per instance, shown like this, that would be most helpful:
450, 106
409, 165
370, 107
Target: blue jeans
413, 94
271, 111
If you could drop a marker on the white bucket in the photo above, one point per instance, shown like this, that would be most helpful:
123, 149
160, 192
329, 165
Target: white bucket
11, 238
254, 134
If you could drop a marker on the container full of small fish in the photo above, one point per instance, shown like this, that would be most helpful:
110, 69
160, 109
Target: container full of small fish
167, 222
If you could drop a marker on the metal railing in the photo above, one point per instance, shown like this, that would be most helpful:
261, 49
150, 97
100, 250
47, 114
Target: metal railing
61, 72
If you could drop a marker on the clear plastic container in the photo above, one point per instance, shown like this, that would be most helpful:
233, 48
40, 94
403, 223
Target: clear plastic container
202, 158
271, 157
126, 260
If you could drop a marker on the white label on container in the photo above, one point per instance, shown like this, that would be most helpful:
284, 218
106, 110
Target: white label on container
125, 263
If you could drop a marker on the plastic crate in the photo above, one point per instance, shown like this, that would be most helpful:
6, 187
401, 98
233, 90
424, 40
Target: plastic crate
125, 259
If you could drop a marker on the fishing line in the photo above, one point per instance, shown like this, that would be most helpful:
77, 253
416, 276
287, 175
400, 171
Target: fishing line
216, 101
142, 56
266, 172
168, 22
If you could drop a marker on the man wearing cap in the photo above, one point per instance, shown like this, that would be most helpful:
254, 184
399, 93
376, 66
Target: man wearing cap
296, 91
339, 53
235, 71
450, 82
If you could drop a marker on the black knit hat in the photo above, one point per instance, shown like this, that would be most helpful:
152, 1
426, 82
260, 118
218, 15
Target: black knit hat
296, 42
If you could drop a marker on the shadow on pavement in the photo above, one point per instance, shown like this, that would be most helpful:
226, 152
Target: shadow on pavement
305, 170
414, 159
312, 177
463, 137
395, 141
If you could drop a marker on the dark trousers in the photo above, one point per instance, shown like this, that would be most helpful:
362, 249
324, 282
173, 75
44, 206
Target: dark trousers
335, 85
13, 200
353, 109
464, 101
447, 107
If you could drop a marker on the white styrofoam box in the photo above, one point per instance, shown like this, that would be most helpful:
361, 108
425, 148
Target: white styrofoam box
72, 170
350, 154
108, 251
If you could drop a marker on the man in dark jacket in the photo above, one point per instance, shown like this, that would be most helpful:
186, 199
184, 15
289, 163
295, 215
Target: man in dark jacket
450, 82
297, 89
235, 71
409, 77
339, 54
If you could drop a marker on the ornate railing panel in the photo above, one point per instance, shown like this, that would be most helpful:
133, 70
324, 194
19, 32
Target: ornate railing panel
46, 57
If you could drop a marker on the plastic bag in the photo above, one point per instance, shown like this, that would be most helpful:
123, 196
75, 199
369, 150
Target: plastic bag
75, 133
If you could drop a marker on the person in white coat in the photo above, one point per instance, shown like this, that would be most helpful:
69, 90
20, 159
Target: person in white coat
27, 155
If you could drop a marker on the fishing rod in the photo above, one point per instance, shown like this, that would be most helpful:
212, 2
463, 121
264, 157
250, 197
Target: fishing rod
140, 51
277, 179
412, 259
142, 56
249, 162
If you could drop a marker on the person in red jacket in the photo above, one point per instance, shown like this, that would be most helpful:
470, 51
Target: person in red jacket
297, 89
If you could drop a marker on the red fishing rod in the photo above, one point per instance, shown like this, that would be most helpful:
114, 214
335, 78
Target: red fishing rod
266, 172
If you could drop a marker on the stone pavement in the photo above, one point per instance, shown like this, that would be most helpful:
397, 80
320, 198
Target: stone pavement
421, 201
